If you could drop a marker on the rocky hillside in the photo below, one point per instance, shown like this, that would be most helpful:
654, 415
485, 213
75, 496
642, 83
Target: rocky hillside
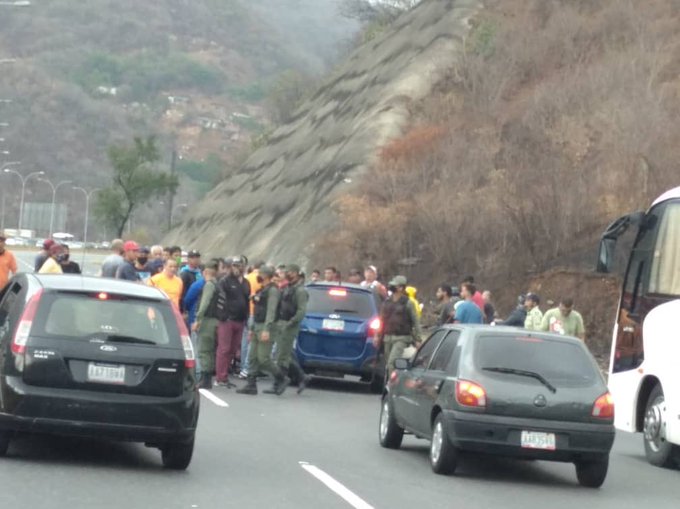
279, 202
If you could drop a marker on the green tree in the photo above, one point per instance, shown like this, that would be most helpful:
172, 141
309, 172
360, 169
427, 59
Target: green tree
135, 182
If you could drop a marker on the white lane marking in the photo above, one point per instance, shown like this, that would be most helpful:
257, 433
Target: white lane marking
209, 395
336, 487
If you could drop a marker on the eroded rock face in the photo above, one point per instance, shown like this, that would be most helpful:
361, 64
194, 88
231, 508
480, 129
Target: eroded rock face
280, 200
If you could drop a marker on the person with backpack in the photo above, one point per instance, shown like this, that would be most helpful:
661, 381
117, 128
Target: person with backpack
263, 334
233, 309
206, 326
401, 327
291, 312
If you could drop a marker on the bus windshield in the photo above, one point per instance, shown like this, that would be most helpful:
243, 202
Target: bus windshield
665, 270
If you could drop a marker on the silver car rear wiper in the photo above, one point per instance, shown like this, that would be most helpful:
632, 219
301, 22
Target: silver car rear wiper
116, 338
522, 372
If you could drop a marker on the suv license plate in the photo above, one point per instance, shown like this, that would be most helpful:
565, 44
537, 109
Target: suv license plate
334, 325
105, 374
538, 440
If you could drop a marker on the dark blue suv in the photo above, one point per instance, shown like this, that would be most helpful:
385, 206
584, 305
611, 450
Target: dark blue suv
336, 337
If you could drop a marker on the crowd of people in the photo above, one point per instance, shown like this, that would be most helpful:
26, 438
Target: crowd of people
244, 318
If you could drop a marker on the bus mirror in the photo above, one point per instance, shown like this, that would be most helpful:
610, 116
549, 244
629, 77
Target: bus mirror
605, 258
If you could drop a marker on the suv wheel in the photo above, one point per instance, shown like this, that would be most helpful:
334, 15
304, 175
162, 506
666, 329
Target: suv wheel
177, 456
5, 437
658, 450
443, 455
389, 432
592, 474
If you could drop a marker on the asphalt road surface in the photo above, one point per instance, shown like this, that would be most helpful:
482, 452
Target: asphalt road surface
317, 450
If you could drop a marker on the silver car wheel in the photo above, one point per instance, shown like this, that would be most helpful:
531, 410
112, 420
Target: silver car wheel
437, 442
384, 419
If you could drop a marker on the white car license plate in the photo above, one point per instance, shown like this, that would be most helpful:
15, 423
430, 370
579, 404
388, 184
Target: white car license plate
106, 374
538, 440
329, 324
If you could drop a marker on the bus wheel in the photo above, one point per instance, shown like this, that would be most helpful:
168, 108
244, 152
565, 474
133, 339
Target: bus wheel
659, 452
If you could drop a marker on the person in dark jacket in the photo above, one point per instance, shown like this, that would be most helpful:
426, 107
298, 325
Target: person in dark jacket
291, 311
68, 265
233, 309
518, 315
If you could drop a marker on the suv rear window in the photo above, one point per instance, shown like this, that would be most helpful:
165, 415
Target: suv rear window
559, 362
84, 316
341, 301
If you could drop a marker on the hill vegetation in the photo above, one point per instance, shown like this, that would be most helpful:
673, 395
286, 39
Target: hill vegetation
561, 115
199, 74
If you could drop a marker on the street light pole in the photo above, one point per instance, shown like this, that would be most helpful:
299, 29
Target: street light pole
54, 199
87, 217
23, 190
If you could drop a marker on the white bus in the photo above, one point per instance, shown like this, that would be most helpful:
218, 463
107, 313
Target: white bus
644, 369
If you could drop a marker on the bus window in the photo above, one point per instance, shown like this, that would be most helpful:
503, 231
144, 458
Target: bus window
665, 273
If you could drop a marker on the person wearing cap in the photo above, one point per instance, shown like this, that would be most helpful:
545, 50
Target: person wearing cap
401, 326
168, 281
52, 265
292, 309
534, 314
126, 270
233, 310
8, 262
371, 281
114, 260
206, 323
518, 316
263, 334
142, 264
190, 273
42, 255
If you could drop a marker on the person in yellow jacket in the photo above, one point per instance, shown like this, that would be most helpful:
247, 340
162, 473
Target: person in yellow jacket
412, 292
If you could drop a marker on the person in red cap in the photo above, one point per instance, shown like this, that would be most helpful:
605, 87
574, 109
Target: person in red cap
127, 270
52, 265
8, 263
43, 255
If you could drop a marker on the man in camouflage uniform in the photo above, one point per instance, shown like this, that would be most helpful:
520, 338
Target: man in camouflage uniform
206, 326
263, 336
401, 327
292, 310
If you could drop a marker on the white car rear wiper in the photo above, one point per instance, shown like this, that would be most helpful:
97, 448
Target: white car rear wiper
522, 372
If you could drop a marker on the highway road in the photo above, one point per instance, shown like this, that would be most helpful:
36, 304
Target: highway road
316, 450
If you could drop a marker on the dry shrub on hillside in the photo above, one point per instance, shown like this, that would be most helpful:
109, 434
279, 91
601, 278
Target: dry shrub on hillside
562, 115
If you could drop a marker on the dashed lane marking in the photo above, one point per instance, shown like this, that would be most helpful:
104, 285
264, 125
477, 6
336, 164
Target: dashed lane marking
214, 399
336, 487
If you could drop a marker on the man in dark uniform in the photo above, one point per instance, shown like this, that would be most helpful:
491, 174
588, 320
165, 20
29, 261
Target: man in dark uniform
401, 327
292, 310
263, 335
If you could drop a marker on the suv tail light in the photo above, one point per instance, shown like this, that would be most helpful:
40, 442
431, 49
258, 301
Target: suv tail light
374, 327
189, 356
604, 407
470, 394
25, 323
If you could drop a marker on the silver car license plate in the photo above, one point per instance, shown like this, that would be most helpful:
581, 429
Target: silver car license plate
105, 373
538, 440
